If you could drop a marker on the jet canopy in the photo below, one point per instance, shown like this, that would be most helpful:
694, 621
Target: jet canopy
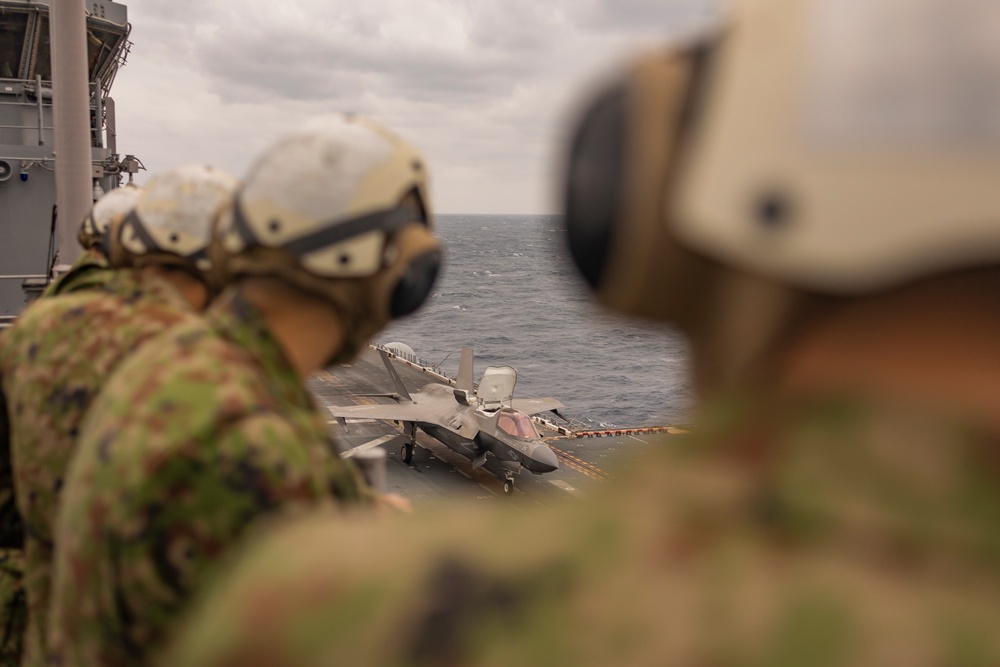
517, 424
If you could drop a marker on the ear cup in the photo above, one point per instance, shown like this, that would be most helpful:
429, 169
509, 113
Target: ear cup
415, 285
622, 170
594, 182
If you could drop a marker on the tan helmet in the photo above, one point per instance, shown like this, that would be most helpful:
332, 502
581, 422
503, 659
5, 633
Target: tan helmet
341, 210
172, 221
834, 146
107, 211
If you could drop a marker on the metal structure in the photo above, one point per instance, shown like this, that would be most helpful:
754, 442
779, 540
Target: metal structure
479, 422
29, 236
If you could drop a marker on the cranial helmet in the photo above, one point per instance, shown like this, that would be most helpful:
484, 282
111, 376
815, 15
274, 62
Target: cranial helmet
834, 146
171, 223
106, 212
339, 209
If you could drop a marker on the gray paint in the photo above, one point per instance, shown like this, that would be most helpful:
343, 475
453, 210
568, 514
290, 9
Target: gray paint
71, 105
27, 143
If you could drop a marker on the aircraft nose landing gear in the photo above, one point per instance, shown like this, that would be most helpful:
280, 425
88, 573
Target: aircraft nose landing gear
508, 486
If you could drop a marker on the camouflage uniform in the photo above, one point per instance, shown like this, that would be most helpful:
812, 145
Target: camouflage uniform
192, 440
90, 270
834, 532
13, 606
54, 362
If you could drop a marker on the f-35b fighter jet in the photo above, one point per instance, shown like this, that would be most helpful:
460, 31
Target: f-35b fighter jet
477, 422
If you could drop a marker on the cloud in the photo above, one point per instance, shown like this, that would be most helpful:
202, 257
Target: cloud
482, 86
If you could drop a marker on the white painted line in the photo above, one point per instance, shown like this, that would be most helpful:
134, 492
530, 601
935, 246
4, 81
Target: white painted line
371, 444
564, 486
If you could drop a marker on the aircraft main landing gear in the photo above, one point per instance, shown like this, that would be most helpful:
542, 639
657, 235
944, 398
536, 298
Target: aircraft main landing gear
406, 451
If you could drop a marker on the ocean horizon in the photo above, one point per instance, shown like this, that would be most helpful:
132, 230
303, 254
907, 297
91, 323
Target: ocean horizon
508, 289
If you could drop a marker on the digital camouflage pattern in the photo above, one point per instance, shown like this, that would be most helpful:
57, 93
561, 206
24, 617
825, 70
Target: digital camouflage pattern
13, 603
192, 440
54, 361
13, 607
838, 532
90, 270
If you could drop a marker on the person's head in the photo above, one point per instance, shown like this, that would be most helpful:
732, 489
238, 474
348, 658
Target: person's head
339, 211
806, 153
108, 211
169, 229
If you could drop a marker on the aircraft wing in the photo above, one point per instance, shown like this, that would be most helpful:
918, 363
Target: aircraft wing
533, 406
403, 412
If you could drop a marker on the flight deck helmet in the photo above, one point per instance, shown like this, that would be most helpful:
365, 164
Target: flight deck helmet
339, 209
106, 212
832, 146
171, 223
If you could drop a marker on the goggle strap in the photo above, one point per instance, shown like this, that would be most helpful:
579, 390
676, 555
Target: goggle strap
334, 232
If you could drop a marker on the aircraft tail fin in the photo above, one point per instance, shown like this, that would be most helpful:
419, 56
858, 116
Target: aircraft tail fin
465, 370
396, 380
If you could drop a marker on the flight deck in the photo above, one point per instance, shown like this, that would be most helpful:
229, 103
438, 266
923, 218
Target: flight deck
587, 457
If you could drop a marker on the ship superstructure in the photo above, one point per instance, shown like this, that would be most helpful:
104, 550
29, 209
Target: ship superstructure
27, 142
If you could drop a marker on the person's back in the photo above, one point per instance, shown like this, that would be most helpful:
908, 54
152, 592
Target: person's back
200, 433
55, 361
838, 501
816, 538
211, 428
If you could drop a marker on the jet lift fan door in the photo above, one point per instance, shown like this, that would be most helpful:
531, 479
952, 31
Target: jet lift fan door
497, 387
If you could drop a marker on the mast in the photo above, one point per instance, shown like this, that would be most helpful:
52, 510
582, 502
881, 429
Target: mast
71, 109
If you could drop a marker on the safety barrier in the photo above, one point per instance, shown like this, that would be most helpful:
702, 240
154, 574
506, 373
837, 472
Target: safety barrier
601, 433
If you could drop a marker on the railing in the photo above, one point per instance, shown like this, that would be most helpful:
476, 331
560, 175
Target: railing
413, 360
39, 91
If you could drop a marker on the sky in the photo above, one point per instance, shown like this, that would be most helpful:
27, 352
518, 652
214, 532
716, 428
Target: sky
487, 89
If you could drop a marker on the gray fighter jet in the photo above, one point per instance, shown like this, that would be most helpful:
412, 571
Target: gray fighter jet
477, 422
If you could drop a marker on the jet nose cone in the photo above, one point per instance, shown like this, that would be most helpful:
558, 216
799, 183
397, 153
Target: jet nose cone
544, 459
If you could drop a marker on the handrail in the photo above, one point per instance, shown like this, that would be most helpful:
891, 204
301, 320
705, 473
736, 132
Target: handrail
25, 277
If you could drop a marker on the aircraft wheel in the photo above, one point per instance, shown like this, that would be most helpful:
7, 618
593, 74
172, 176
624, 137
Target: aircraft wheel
406, 453
508, 487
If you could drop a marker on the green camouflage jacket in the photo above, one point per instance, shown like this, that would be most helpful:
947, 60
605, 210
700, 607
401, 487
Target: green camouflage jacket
836, 533
13, 607
194, 438
90, 270
54, 361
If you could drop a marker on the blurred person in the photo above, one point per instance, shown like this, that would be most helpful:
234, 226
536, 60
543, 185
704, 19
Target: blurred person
60, 352
91, 269
328, 239
794, 192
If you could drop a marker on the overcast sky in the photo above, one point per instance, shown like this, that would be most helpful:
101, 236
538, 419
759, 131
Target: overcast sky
483, 87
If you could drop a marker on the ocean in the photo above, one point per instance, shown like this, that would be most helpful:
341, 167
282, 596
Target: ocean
509, 290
